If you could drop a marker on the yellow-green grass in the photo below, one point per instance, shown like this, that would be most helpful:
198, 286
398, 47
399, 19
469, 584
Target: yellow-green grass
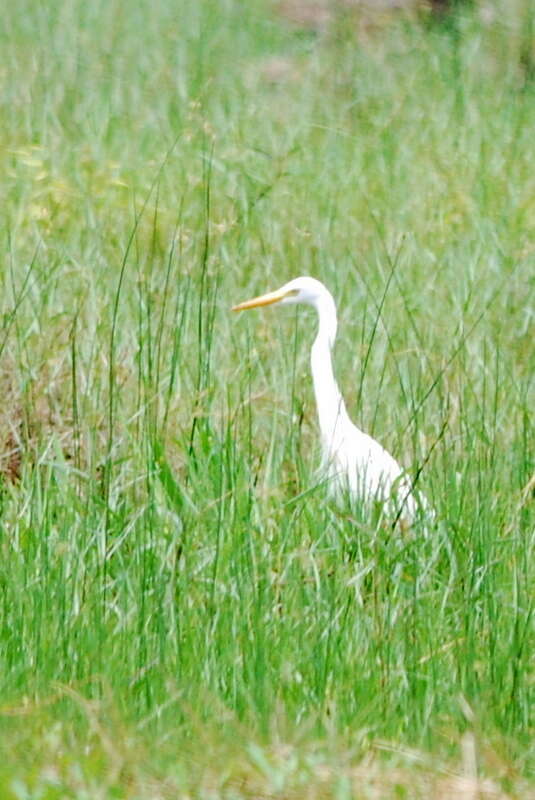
183, 609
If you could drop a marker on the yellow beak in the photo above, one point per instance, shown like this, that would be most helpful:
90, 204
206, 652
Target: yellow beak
263, 300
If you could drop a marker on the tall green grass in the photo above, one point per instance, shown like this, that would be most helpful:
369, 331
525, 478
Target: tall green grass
183, 609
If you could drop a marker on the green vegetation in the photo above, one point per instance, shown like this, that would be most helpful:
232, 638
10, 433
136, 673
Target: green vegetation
183, 610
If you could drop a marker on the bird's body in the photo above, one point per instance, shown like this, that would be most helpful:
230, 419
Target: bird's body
352, 460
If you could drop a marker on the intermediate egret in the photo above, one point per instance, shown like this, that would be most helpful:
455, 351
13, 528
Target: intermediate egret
352, 460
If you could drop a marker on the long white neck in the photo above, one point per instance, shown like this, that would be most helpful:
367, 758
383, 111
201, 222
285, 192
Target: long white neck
332, 412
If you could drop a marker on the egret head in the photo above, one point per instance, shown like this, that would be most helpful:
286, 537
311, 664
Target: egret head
300, 290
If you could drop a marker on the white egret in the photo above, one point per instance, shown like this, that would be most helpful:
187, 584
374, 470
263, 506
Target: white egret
352, 460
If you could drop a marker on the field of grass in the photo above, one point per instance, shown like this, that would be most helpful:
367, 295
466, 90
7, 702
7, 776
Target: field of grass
184, 612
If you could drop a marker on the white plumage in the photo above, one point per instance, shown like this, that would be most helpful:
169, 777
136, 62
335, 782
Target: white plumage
352, 459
